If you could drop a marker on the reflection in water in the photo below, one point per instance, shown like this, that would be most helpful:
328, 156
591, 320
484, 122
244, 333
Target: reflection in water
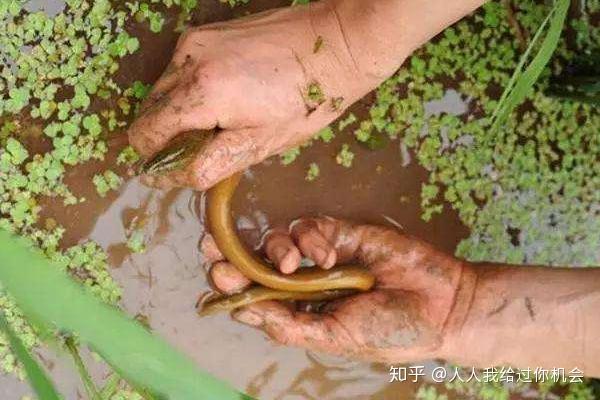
50, 7
451, 103
330, 361
356, 381
10, 388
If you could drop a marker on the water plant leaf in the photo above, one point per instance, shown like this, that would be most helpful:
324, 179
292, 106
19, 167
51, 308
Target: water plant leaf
523, 80
43, 291
41, 384
86, 379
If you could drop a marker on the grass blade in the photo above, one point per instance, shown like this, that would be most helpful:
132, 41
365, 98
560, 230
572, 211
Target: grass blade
88, 384
522, 61
140, 357
522, 81
41, 384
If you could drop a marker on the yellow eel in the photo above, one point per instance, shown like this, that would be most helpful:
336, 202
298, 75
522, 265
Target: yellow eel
305, 284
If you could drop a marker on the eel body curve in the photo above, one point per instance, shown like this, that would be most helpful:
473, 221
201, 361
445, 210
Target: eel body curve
305, 284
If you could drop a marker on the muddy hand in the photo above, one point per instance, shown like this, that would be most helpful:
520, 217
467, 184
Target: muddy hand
267, 82
406, 317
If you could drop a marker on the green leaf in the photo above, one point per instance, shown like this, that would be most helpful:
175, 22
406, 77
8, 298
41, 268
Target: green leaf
88, 384
81, 99
345, 157
289, 156
47, 108
136, 241
128, 156
41, 290
38, 379
349, 120
521, 83
92, 124
418, 65
18, 99
17, 151
132, 44
106, 182
326, 134
140, 90
315, 93
313, 172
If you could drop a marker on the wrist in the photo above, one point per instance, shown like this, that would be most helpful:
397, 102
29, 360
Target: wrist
483, 335
370, 33
381, 34
453, 346
338, 56
527, 316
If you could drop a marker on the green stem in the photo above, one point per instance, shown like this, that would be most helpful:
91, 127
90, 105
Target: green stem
89, 385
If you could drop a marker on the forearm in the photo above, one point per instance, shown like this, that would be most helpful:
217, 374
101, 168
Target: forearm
530, 317
380, 34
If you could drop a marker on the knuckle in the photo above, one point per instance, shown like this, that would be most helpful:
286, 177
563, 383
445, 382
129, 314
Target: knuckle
305, 226
304, 241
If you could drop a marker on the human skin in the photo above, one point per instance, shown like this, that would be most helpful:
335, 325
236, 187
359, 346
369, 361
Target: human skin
427, 304
250, 78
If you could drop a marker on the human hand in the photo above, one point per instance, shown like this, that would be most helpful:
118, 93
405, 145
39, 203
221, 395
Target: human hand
269, 82
420, 298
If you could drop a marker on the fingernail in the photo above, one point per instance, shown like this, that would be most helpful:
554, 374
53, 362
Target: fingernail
330, 260
287, 265
248, 317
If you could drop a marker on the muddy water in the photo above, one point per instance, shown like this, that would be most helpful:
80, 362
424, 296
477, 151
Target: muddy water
164, 283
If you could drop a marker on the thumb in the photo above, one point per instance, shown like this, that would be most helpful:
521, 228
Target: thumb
318, 332
169, 114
